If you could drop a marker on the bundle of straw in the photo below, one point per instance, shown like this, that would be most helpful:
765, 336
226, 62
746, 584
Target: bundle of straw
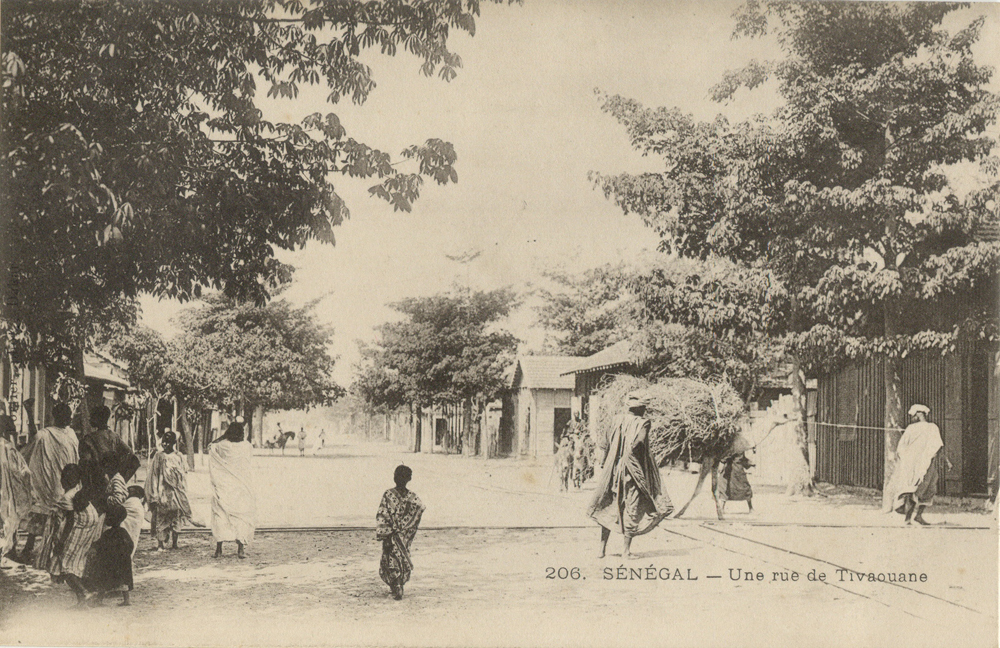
690, 418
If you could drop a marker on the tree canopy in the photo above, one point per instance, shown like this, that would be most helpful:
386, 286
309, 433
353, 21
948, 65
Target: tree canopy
136, 159
236, 354
449, 348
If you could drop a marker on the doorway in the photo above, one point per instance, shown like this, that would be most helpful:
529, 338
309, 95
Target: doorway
561, 418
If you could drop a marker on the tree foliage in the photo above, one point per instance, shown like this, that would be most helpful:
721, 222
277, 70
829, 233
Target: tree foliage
273, 356
448, 349
583, 314
845, 191
135, 158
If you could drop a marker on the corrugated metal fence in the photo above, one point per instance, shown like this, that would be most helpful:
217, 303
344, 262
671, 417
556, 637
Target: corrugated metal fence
850, 451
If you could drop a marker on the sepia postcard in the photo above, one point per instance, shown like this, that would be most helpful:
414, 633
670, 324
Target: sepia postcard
499, 323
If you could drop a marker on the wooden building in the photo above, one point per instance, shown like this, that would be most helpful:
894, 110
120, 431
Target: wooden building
960, 388
538, 407
590, 373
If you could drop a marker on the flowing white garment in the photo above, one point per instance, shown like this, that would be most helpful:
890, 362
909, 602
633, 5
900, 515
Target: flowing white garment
916, 448
234, 504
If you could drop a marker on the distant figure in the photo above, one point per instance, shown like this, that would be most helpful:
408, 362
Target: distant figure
396, 524
322, 438
166, 486
629, 497
302, 442
914, 481
52, 450
564, 462
109, 568
234, 505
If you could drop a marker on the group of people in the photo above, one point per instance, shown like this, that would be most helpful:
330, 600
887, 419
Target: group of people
75, 497
574, 460
280, 440
630, 498
71, 495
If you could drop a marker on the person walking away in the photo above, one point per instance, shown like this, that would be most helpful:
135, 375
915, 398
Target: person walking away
166, 486
52, 450
629, 498
110, 566
15, 493
322, 439
914, 481
302, 442
396, 523
234, 504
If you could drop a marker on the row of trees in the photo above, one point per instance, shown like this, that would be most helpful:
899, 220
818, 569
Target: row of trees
234, 357
448, 349
828, 231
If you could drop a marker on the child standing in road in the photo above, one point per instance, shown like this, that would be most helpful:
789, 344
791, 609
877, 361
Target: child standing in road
396, 524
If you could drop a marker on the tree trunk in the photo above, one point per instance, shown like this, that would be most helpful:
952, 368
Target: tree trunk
84, 409
468, 444
800, 480
186, 432
891, 376
258, 423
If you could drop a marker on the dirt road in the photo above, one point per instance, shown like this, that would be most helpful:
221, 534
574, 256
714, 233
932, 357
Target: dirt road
751, 581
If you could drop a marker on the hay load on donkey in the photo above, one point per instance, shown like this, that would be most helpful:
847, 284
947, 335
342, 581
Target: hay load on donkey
690, 421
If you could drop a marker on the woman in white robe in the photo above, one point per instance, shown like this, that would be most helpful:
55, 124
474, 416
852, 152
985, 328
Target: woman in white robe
234, 504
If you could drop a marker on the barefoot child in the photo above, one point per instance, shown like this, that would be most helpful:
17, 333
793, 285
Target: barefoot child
111, 570
396, 523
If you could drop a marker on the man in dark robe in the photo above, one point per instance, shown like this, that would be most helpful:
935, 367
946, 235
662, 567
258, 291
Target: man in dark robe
629, 498
101, 448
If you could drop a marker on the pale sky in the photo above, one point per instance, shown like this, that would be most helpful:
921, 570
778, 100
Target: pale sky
527, 127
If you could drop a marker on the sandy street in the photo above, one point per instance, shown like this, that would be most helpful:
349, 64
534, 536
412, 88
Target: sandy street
503, 558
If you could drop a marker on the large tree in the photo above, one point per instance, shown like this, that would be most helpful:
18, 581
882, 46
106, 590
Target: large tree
449, 349
248, 358
135, 157
845, 192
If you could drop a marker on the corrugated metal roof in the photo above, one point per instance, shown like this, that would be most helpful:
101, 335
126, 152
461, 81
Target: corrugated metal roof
544, 372
616, 355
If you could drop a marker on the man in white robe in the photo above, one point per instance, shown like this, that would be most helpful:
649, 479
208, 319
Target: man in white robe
914, 481
234, 504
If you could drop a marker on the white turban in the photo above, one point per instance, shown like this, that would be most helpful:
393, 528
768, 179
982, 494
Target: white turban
919, 408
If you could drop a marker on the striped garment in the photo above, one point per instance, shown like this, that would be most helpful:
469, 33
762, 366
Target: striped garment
87, 526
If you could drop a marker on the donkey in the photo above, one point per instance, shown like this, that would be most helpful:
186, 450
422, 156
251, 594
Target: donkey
710, 465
